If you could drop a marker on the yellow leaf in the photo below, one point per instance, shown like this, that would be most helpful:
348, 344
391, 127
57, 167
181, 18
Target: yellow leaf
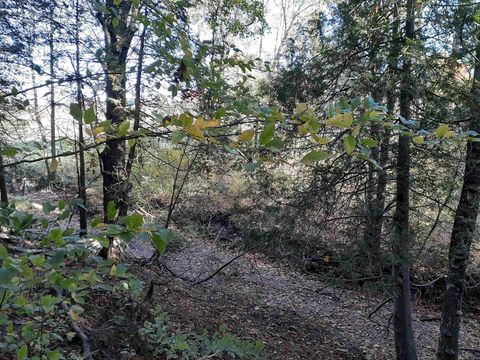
341, 120
449, 134
326, 259
418, 140
301, 107
195, 132
303, 130
74, 315
53, 166
247, 135
100, 139
113, 270
212, 123
356, 131
321, 140
98, 130
200, 123
441, 131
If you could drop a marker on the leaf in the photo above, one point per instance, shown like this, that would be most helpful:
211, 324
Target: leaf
315, 156
267, 134
441, 131
195, 132
369, 143
89, 116
250, 166
115, 22
53, 166
76, 111
10, 152
47, 208
111, 210
54, 355
3, 252
245, 136
212, 123
22, 353
321, 140
418, 140
123, 128
449, 134
341, 120
301, 107
349, 143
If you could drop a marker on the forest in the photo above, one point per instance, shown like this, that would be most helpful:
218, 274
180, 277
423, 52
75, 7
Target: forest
239, 179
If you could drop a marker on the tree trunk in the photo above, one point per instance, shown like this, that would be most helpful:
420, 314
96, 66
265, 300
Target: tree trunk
3, 184
82, 189
136, 115
118, 37
402, 316
463, 233
52, 89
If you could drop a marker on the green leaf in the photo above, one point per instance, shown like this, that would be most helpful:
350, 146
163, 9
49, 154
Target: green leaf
10, 152
250, 166
123, 128
111, 210
133, 221
89, 116
267, 134
115, 22
47, 208
245, 136
314, 156
22, 353
159, 243
54, 355
76, 111
349, 143
6, 275
369, 143
3, 252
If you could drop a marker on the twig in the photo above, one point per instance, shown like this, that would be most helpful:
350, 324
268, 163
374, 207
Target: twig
83, 338
379, 306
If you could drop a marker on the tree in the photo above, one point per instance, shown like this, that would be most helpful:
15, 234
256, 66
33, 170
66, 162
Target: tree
402, 314
119, 26
463, 231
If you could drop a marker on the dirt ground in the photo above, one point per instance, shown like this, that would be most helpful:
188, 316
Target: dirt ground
295, 315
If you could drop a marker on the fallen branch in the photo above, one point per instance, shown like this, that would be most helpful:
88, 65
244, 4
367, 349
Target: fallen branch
379, 306
87, 354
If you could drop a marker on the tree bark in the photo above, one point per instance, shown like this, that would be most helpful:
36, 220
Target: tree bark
402, 315
82, 189
52, 89
118, 26
136, 115
3, 184
463, 232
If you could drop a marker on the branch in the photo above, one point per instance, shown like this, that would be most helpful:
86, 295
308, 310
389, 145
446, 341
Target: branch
87, 354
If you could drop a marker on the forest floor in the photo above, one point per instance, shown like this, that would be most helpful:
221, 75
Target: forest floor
296, 315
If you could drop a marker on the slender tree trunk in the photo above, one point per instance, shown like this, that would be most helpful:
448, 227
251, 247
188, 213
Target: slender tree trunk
82, 188
463, 232
402, 316
118, 37
52, 89
3, 184
137, 113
